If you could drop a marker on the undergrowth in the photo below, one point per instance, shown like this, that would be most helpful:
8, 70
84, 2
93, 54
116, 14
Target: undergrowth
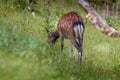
26, 55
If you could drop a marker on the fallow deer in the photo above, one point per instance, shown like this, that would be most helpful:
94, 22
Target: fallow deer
71, 27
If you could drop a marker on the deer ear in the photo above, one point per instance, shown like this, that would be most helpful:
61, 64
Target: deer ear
48, 32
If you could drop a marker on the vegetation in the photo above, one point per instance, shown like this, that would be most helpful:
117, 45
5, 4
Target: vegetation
26, 55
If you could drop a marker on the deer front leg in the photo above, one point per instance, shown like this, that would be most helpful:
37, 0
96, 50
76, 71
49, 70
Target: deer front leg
71, 50
62, 42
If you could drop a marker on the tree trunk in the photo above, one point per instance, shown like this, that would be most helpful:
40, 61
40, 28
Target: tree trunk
98, 22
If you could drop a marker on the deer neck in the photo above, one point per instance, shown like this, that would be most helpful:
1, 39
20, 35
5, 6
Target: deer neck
55, 35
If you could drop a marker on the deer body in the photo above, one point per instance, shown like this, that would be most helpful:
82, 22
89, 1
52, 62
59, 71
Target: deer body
71, 27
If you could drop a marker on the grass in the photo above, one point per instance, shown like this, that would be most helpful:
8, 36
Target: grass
25, 54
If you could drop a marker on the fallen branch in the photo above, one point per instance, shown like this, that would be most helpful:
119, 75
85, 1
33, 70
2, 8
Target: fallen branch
98, 22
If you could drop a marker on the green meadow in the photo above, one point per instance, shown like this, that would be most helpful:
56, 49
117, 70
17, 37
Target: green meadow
26, 55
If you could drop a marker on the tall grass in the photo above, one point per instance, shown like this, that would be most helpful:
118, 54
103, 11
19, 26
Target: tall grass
25, 54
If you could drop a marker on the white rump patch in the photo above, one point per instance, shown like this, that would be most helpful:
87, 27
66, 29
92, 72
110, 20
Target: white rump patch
78, 29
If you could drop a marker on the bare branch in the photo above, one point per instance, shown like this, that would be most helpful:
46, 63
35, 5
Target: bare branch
98, 22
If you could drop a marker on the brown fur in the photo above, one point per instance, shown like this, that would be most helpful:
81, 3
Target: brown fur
65, 24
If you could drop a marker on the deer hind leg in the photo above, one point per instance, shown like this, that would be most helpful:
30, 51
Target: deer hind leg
80, 40
79, 54
79, 49
71, 50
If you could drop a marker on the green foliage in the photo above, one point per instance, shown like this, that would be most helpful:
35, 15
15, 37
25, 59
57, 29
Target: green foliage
21, 4
68, 2
25, 54
111, 21
114, 1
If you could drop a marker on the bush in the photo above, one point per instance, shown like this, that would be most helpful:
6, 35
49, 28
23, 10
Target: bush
22, 4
